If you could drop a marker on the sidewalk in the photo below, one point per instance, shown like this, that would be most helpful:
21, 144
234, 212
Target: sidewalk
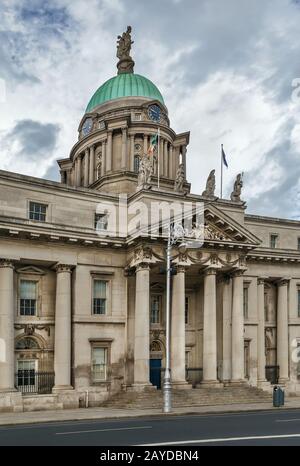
108, 413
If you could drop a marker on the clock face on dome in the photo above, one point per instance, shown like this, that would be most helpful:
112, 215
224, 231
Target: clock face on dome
154, 112
87, 126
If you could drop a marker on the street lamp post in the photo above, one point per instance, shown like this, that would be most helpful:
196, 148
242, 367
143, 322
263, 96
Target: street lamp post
176, 234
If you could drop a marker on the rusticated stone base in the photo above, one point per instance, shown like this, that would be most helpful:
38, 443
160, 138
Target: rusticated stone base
11, 402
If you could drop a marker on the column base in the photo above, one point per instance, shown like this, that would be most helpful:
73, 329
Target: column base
237, 383
62, 388
141, 387
210, 384
184, 385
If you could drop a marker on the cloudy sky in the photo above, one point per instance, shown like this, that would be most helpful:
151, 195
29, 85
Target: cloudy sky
226, 69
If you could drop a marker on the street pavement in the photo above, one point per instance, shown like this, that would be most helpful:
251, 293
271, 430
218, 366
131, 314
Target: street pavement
272, 427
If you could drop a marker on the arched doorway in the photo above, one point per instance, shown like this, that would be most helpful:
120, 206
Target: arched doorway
156, 356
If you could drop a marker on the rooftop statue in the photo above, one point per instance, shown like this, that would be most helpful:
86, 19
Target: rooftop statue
180, 179
237, 189
210, 185
124, 43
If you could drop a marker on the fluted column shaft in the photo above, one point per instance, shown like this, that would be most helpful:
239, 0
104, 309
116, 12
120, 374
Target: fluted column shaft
124, 148
210, 327
78, 170
86, 168
142, 325
282, 330
145, 143
92, 165
178, 328
261, 356
109, 152
171, 174
62, 340
131, 157
183, 152
227, 295
7, 347
237, 362
166, 159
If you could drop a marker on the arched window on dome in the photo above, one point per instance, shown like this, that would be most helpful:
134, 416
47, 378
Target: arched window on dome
136, 165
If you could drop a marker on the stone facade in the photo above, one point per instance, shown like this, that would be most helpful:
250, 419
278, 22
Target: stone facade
89, 309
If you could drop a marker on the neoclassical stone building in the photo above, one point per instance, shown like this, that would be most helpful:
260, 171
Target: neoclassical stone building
82, 307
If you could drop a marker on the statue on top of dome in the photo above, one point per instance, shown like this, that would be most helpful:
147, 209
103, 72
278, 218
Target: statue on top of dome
124, 43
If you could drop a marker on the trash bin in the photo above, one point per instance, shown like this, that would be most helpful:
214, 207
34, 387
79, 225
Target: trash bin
278, 397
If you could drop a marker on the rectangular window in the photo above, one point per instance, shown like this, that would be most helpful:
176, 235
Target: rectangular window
99, 364
155, 310
99, 297
298, 244
186, 310
27, 298
37, 211
273, 241
101, 222
245, 302
298, 302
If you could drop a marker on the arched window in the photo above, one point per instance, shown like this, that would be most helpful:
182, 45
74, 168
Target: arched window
27, 343
136, 165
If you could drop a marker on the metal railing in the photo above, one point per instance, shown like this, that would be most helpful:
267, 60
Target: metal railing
272, 374
30, 381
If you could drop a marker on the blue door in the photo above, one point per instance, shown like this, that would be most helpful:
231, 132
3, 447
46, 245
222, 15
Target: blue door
155, 372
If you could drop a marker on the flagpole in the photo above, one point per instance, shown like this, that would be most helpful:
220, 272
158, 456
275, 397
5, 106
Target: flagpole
158, 154
221, 172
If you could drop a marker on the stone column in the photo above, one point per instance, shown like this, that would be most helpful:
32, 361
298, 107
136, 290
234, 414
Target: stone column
92, 165
282, 331
7, 345
78, 170
183, 152
161, 157
131, 156
237, 349
178, 329
210, 328
145, 143
62, 341
166, 158
227, 297
142, 326
124, 148
86, 168
171, 174
261, 355
109, 152
103, 165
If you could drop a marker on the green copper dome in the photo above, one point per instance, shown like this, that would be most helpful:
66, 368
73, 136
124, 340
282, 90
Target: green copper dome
124, 85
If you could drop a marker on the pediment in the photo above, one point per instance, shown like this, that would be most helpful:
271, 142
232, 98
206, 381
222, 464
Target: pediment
220, 227
30, 269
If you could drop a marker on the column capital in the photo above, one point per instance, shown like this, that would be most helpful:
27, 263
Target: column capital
6, 263
284, 281
210, 271
238, 273
64, 268
261, 281
180, 268
142, 266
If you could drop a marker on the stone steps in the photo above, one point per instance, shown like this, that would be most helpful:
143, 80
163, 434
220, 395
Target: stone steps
190, 397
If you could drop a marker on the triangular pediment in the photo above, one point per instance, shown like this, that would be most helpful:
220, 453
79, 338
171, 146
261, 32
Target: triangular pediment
31, 269
220, 227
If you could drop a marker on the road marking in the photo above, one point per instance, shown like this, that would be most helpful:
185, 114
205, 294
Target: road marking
102, 430
287, 420
218, 440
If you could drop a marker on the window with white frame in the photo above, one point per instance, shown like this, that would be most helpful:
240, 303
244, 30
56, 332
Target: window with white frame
28, 295
273, 241
99, 297
37, 211
99, 364
155, 309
